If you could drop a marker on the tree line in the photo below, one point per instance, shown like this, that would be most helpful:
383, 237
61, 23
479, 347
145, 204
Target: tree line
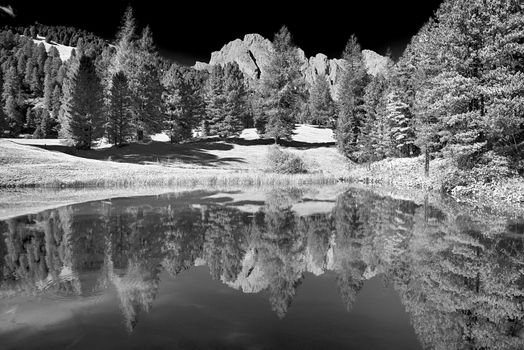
456, 92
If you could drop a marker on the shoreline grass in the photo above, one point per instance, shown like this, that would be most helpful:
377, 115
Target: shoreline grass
407, 175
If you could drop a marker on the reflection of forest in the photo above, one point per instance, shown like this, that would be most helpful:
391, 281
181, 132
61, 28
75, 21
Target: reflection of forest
460, 278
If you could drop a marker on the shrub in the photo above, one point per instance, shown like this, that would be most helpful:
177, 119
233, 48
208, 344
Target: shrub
490, 168
283, 162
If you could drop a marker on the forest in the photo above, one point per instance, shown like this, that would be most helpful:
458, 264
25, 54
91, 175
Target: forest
457, 93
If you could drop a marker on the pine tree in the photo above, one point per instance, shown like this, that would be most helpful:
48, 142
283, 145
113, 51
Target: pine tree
56, 102
13, 113
47, 125
137, 59
3, 123
374, 138
12, 84
351, 99
84, 104
11, 98
215, 100
470, 102
119, 126
226, 100
321, 104
282, 89
183, 101
401, 130
49, 85
235, 106
148, 101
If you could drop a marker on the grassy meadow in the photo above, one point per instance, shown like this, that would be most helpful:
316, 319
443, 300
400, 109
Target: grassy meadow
236, 162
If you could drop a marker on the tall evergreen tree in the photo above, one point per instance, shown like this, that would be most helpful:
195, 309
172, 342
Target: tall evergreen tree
226, 100
84, 105
183, 101
236, 104
473, 101
350, 102
282, 89
321, 104
118, 127
137, 59
373, 139
14, 115
215, 100
401, 128
148, 101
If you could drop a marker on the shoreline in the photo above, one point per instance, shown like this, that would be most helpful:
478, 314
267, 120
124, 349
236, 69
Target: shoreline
407, 175
24, 166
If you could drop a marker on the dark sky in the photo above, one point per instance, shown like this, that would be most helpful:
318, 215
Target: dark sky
190, 30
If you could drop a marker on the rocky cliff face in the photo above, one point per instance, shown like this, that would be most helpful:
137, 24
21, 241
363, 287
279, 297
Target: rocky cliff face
253, 52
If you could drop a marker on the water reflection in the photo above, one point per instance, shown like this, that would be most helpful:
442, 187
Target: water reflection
460, 277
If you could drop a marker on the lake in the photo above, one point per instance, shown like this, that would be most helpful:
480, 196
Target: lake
274, 269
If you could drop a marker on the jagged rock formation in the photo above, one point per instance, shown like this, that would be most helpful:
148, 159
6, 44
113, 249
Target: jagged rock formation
253, 54
375, 63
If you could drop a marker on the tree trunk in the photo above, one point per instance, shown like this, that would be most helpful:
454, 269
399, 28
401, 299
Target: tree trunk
426, 165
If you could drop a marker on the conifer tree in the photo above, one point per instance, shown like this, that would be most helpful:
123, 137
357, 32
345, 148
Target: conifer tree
374, 138
11, 98
226, 100
282, 89
84, 105
56, 102
351, 99
184, 104
118, 127
401, 129
236, 105
47, 125
469, 103
215, 100
148, 101
321, 104
137, 59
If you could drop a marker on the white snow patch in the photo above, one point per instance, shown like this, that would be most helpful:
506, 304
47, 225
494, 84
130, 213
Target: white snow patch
63, 50
302, 133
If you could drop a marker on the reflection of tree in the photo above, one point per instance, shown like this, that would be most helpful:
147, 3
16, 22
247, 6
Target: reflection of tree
39, 253
136, 231
280, 251
350, 219
183, 238
465, 290
460, 280
225, 242
3, 252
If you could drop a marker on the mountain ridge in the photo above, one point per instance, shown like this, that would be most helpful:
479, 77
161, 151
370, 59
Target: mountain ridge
252, 53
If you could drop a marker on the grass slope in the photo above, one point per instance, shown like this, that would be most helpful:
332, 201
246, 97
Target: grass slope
51, 163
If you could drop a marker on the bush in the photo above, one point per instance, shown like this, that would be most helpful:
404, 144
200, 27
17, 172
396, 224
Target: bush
490, 168
283, 162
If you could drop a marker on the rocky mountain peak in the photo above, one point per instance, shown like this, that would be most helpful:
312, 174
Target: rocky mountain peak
253, 52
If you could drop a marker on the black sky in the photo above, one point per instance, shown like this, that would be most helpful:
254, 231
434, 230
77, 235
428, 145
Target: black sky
190, 30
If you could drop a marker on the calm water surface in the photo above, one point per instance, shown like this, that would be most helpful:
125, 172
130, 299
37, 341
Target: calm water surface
282, 269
